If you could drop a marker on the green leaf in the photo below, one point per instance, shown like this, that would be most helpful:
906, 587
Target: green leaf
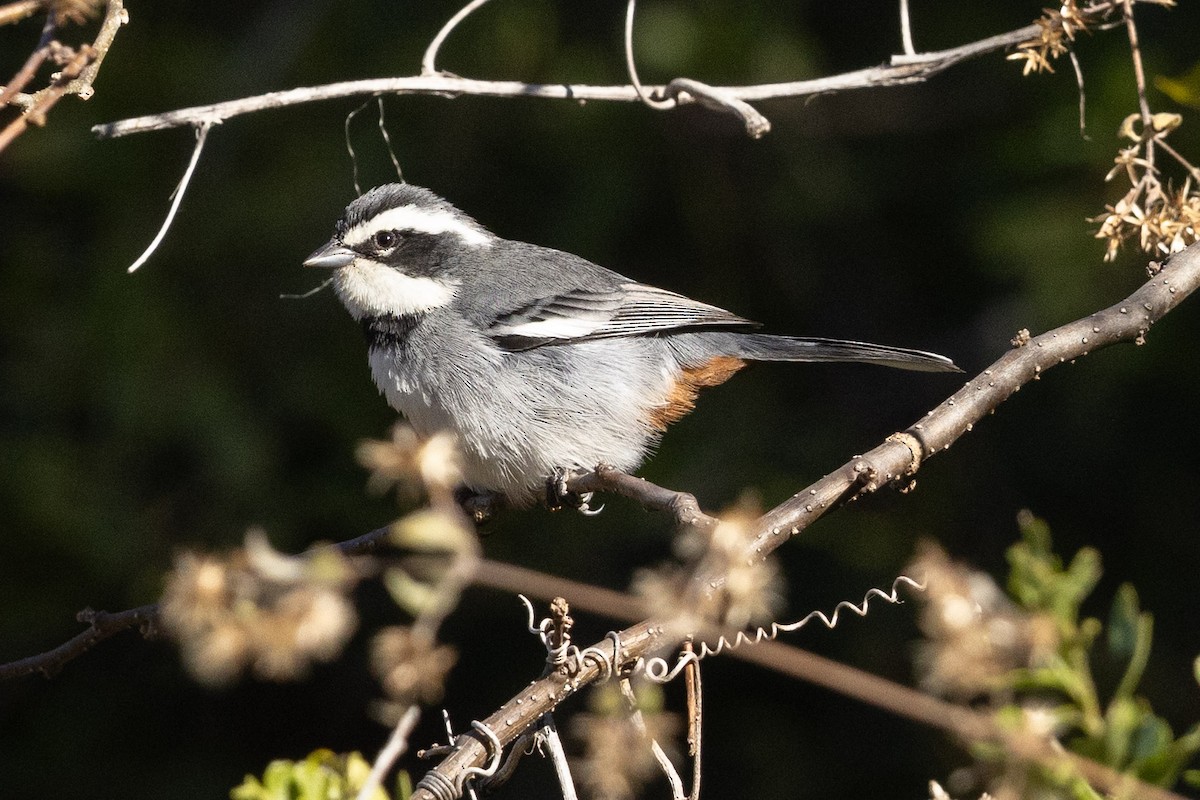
1152, 737
404, 785
322, 775
1163, 767
1082, 790
1123, 622
1081, 577
1143, 637
1089, 630
1036, 534
277, 779
1122, 719
1057, 676
249, 789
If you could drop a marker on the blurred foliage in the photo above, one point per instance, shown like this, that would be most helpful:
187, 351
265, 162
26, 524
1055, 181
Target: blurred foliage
1122, 731
323, 775
174, 408
1184, 90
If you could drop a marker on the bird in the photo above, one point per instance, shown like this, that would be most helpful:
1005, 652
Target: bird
541, 363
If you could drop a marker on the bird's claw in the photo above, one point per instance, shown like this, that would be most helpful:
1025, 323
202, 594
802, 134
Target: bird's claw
558, 496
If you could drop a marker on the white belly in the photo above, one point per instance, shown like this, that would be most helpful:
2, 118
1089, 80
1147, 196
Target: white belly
519, 416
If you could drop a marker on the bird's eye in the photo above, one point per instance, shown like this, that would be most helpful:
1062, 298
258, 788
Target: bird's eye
385, 240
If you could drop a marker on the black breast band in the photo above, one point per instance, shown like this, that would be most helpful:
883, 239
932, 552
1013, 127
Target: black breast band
388, 331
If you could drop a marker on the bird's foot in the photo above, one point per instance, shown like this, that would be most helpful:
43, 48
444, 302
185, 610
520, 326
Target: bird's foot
558, 496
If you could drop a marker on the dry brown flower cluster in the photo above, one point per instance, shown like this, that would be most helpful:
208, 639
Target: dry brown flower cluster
409, 662
258, 609
1057, 30
750, 593
407, 461
617, 760
974, 635
1162, 219
411, 666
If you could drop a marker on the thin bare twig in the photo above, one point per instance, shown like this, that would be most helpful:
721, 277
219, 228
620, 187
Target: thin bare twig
177, 197
396, 746
29, 69
695, 704
901, 71
1082, 93
681, 505
687, 90
101, 625
631, 65
558, 756
1139, 76
79, 84
660, 755
387, 140
350, 146
427, 65
115, 16
47, 98
19, 10
46, 46
1183, 162
906, 37
902, 454
968, 725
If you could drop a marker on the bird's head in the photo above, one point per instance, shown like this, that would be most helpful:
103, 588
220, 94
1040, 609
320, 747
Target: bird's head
397, 250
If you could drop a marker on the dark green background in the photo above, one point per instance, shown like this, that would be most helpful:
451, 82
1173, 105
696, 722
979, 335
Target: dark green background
173, 409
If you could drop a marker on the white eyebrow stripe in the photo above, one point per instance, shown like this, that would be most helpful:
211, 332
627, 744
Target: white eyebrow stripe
370, 289
415, 218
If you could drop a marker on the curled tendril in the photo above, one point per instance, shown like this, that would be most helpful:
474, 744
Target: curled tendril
660, 670
495, 751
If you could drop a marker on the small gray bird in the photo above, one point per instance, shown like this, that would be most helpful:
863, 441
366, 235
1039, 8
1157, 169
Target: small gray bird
538, 360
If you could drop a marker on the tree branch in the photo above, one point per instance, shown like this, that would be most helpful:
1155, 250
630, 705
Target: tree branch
898, 457
76, 78
101, 625
46, 98
843, 679
901, 70
680, 505
902, 454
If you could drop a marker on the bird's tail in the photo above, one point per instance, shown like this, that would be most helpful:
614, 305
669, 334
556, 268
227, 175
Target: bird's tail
768, 347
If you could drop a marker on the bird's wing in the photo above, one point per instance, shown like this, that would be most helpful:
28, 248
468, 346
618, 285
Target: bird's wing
627, 309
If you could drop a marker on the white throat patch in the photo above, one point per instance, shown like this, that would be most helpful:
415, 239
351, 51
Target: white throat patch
422, 220
370, 289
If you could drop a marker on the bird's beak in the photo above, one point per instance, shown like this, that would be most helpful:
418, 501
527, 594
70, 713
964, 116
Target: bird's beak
331, 255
